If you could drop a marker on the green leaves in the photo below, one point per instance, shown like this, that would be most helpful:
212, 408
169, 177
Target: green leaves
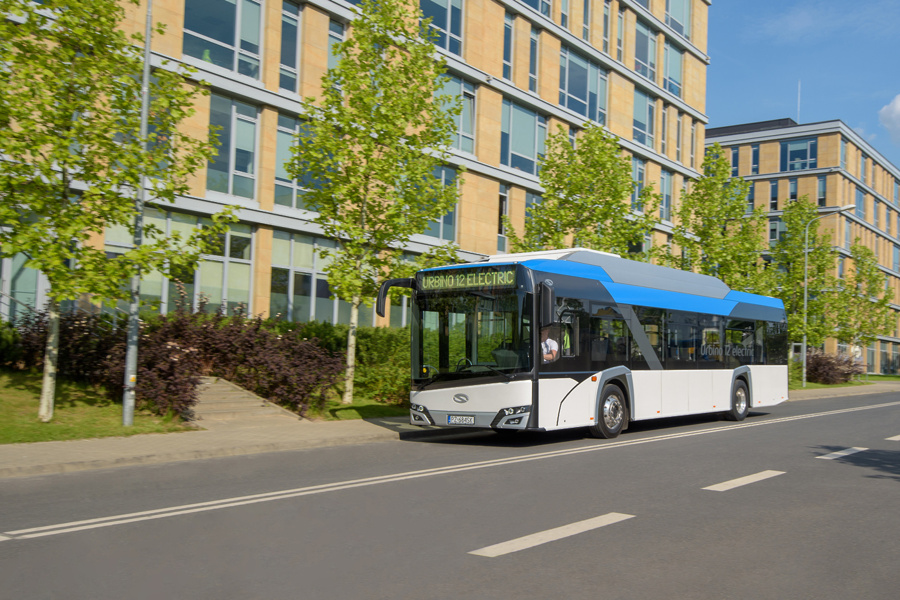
587, 198
862, 306
70, 108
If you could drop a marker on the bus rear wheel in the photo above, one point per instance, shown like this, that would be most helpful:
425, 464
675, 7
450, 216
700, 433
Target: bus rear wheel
740, 402
612, 413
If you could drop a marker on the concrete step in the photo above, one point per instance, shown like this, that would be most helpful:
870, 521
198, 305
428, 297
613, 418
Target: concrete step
221, 400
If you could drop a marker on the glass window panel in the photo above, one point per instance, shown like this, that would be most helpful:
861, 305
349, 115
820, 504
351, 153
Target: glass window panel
250, 27
243, 187
278, 292
284, 196
241, 241
238, 285
245, 145
211, 279
302, 298
524, 131
323, 262
283, 155
212, 18
209, 51
281, 248
324, 304
303, 252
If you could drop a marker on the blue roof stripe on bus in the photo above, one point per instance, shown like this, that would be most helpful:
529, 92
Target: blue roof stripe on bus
754, 299
641, 296
565, 267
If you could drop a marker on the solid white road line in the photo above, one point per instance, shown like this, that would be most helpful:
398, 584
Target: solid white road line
841, 453
550, 535
734, 483
896, 438
172, 511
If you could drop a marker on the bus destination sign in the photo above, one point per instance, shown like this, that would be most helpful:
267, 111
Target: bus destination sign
467, 279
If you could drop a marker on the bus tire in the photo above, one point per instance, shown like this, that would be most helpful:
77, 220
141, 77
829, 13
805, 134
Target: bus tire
740, 402
612, 413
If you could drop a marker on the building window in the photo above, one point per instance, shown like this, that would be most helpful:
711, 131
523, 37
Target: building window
620, 36
522, 136
876, 218
897, 192
860, 203
693, 144
445, 227
848, 231
464, 136
792, 189
288, 192
644, 107
678, 16
223, 276
299, 289
542, 6
503, 210
645, 51
606, 24
799, 154
673, 59
776, 230
664, 130
564, 13
533, 47
531, 200
735, 158
582, 86
233, 170
290, 46
644, 3
862, 167
507, 45
843, 153
225, 33
446, 23
754, 159
840, 266
820, 190
896, 258
665, 184
335, 36
638, 175
586, 21
750, 197
679, 125
773, 195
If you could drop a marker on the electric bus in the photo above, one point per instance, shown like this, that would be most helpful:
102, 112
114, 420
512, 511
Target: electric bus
633, 341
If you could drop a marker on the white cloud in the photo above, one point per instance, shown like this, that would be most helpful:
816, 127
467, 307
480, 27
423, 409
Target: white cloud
889, 116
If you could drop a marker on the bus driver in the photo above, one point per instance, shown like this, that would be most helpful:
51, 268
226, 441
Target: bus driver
549, 348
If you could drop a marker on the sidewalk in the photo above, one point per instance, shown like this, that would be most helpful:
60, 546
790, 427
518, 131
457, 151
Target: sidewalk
250, 436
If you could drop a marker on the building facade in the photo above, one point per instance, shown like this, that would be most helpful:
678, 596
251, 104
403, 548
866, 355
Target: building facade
833, 166
521, 67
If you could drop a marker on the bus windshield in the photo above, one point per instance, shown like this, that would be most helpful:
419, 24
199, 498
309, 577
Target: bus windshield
470, 334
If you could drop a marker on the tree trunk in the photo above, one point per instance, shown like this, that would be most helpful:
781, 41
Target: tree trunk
351, 352
51, 356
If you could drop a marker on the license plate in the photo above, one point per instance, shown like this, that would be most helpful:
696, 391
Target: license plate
460, 419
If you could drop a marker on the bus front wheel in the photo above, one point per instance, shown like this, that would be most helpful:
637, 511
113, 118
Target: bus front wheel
612, 413
740, 402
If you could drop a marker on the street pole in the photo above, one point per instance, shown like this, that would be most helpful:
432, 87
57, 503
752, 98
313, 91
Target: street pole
134, 324
806, 277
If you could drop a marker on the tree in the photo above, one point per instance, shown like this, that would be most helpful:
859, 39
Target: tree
73, 159
592, 178
786, 271
370, 149
714, 234
862, 305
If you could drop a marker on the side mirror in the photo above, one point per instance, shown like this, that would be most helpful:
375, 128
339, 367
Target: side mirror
406, 282
548, 303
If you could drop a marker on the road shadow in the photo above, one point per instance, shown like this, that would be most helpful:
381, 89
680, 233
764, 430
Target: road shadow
885, 463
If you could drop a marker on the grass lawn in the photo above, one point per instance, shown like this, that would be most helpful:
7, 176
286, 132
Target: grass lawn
81, 411
360, 409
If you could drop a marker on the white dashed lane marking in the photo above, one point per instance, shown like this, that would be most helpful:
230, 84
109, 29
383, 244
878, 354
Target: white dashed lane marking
550, 535
896, 438
741, 481
841, 453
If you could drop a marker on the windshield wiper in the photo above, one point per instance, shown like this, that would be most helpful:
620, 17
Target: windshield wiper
508, 376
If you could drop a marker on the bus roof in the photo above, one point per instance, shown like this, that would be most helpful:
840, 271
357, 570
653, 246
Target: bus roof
640, 283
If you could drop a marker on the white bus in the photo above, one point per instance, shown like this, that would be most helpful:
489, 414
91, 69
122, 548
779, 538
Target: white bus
633, 341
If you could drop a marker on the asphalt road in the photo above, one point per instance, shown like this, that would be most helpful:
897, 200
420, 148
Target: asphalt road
800, 501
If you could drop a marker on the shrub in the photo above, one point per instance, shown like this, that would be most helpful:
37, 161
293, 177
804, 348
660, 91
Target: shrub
831, 369
10, 346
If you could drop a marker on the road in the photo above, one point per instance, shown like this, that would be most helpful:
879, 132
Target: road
798, 501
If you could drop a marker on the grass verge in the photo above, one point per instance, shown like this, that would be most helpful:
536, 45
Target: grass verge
80, 411
360, 409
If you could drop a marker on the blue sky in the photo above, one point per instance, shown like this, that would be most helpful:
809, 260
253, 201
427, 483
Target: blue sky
846, 56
